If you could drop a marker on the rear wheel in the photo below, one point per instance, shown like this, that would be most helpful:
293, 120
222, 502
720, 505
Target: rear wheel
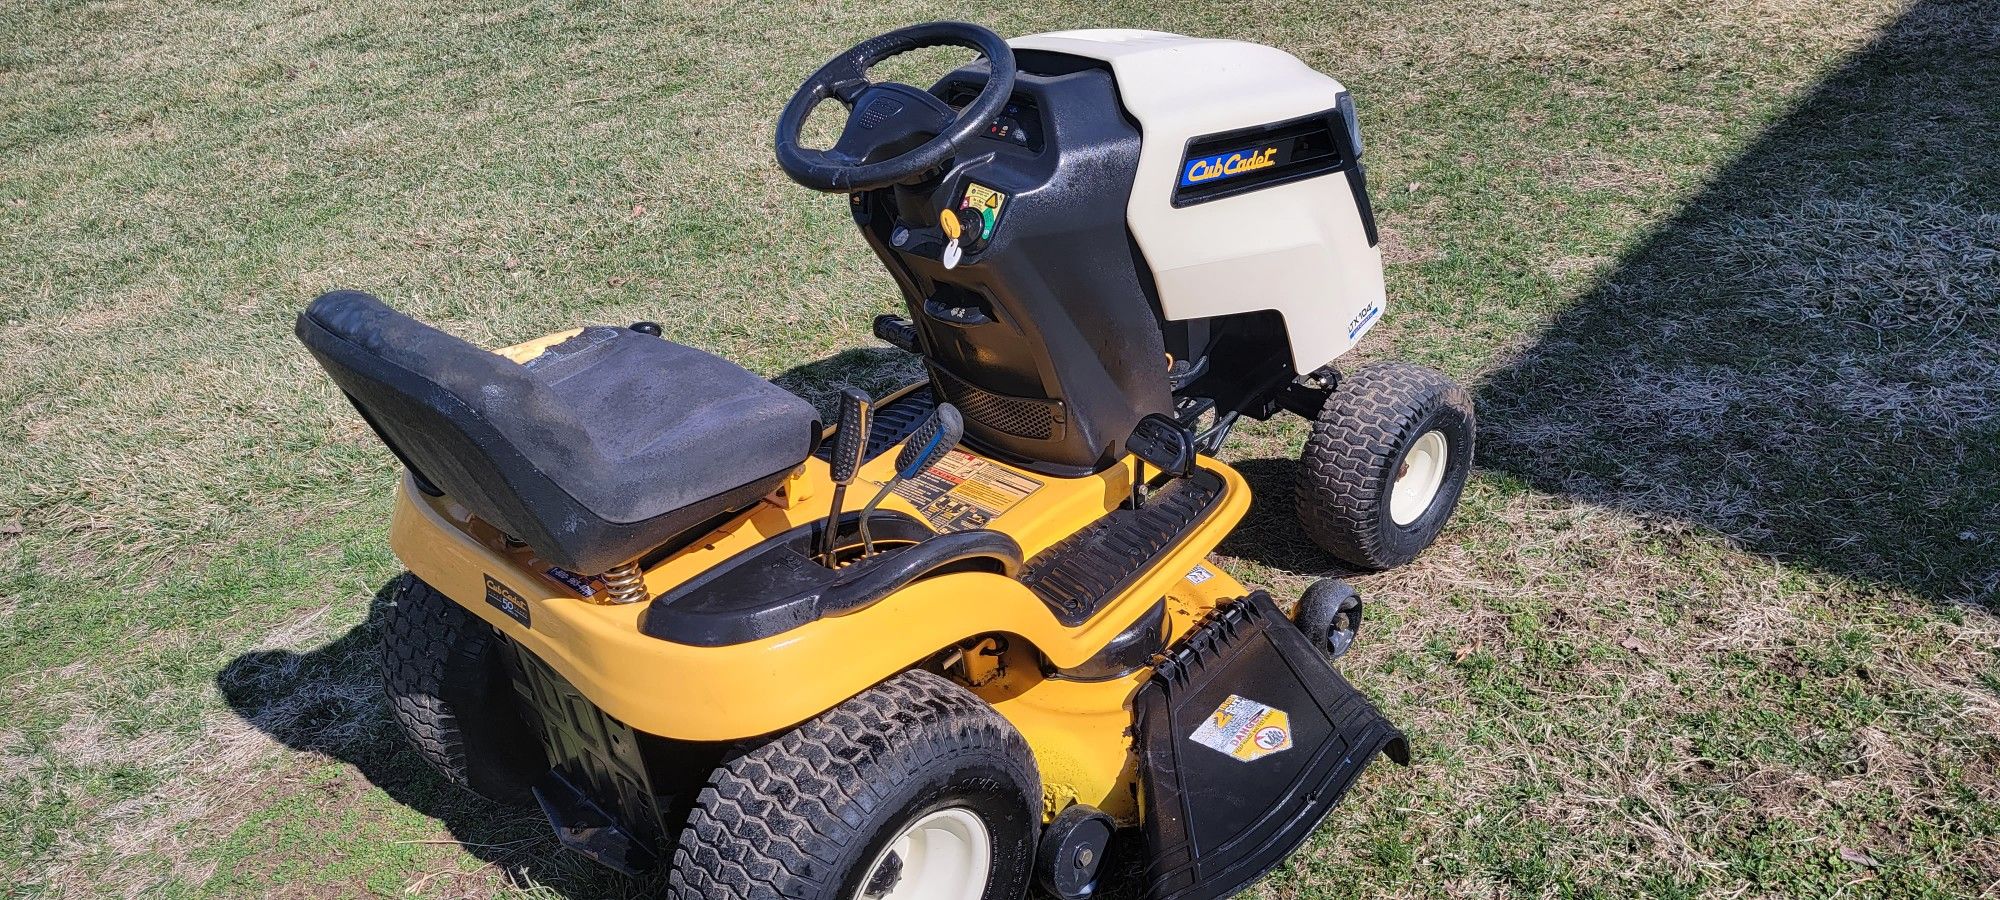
1388, 456
913, 790
449, 690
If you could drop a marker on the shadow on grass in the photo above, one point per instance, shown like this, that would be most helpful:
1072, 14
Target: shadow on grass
1807, 356
329, 701
1269, 533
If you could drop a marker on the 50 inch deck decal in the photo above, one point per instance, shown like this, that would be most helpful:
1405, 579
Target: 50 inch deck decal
504, 599
963, 492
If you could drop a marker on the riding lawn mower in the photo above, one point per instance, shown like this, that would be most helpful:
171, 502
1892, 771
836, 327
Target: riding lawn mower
641, 595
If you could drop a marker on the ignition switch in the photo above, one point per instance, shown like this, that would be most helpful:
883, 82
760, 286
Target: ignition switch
966, 226
964, 230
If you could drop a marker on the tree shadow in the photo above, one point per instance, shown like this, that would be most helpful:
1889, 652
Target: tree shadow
1805, 358
329, 701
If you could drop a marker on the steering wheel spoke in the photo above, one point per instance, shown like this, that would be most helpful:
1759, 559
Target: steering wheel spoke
845, 78
849, 90
840, 156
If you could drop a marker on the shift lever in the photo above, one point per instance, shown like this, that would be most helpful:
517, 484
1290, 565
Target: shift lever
928, 444
850, 444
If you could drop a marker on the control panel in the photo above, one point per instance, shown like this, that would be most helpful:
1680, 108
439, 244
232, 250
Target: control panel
1019, 124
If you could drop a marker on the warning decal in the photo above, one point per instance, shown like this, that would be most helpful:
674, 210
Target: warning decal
986, 202
1245, 729
963, 492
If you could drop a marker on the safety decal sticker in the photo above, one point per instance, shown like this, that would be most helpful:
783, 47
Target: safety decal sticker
963, 492
1199, 574
1245, 730
986, 202
503, 598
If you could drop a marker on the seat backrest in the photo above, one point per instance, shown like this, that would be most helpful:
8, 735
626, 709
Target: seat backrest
422, 391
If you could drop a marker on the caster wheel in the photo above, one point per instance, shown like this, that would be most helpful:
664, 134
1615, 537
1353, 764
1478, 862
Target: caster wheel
1329, 615
1388, 456
913, 790
1072, 853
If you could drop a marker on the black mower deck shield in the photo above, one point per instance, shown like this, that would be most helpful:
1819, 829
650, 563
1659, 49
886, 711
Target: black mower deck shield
1249, 739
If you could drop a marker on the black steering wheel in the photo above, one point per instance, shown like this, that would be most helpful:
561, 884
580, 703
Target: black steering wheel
894, 132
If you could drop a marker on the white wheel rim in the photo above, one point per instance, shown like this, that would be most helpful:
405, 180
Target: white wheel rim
1417, 482
946, 855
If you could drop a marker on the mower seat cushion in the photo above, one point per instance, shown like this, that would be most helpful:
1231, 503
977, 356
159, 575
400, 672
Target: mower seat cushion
605, 446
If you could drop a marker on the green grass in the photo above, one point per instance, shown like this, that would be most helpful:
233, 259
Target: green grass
1713, 621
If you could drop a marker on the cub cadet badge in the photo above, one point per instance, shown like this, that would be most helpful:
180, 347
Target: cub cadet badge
503, 598
1224, 165
1245, 730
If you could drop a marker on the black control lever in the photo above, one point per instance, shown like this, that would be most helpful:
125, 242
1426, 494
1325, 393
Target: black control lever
928, 444
850, 444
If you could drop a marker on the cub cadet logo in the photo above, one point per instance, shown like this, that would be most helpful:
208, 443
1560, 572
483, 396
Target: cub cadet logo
1225, 165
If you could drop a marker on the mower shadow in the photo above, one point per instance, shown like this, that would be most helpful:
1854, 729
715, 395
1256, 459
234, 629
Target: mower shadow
328, 701
1805, 358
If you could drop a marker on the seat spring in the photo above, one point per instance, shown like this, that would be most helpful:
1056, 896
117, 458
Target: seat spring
626, 584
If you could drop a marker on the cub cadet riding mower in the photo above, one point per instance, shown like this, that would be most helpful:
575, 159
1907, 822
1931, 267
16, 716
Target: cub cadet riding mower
640, 594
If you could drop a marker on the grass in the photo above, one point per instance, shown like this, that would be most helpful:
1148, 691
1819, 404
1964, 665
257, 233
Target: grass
1714, 620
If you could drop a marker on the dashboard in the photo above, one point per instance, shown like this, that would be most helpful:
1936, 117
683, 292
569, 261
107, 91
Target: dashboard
1018, 125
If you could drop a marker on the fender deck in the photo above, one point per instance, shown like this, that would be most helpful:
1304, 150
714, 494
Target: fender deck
1248, 738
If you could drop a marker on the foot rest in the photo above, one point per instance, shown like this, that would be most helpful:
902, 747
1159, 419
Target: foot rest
1248, 738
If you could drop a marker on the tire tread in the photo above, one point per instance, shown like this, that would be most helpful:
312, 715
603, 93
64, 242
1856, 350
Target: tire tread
773, 822
435, 669
1368, 418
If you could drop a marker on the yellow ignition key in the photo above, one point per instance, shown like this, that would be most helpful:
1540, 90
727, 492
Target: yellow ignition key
948, 220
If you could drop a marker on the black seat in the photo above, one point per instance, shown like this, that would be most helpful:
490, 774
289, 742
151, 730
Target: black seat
607, 445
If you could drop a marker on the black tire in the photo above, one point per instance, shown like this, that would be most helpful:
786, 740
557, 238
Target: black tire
1358, 445
805, 815
449, 690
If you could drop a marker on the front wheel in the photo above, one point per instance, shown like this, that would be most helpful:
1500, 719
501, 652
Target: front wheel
913, 790
1388, 456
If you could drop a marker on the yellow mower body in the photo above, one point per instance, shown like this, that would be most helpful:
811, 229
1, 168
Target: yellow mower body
1000, 630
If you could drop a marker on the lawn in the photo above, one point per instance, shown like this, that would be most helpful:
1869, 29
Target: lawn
1715, 619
